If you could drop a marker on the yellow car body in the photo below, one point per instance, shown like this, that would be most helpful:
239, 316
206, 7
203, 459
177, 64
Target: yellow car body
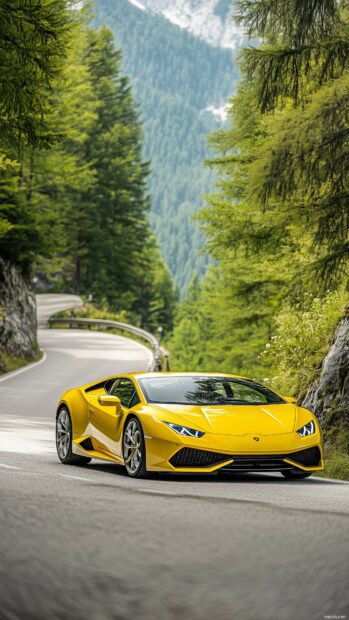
233, 437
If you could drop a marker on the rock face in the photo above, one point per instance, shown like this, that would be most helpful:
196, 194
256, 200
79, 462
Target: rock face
328, 397
17, 314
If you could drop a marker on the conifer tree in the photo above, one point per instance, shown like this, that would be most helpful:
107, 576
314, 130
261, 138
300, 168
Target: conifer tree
34, 37
116, 229
281, 205
33, 43
302, 70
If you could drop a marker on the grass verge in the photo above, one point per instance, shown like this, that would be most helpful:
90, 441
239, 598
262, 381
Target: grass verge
337, 457
11, 363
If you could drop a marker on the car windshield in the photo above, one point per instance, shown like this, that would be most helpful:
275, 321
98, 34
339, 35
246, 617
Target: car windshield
206, 390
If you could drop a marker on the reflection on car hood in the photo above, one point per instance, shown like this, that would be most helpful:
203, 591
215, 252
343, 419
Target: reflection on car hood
235, 419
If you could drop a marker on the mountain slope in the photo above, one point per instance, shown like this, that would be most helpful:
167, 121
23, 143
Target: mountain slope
176, 77
210, 20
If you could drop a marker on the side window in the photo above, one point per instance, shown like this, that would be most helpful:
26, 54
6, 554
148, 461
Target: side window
125, 390
134, 400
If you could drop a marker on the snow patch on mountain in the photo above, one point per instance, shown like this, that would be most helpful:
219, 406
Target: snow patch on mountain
220, 113
139, 5
210, 20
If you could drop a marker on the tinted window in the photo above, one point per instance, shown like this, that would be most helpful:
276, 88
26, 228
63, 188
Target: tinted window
125, 390
134, 400
206, 390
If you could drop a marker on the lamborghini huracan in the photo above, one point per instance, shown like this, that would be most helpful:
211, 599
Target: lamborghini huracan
187, 423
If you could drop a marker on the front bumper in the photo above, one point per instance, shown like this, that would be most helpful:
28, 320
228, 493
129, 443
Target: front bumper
235, 453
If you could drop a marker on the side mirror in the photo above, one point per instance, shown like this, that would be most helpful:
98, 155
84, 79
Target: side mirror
290, 399
109, 401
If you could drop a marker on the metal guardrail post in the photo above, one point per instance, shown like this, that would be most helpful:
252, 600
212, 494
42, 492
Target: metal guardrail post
166, 357
124, 327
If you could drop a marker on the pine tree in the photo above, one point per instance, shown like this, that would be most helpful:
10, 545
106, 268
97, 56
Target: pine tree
111, 242
302, 71
34, 37
33, 42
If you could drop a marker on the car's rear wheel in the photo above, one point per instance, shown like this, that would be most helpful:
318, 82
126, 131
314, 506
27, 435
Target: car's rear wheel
290, 474
133, 449
64, 435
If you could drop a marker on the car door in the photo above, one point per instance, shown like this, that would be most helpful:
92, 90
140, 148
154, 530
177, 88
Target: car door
106, 422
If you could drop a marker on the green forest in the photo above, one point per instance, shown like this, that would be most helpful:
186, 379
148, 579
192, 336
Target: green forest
74, 201
175, 76
75, 194
276, 222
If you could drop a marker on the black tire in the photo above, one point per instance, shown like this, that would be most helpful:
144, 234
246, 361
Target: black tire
290, 474
133, 449
64, 431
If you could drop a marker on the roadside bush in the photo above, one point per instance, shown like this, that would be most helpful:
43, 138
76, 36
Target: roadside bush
302, 338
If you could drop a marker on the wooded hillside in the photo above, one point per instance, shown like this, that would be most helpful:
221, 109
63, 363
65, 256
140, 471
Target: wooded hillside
176, 76
277, 222
74, 201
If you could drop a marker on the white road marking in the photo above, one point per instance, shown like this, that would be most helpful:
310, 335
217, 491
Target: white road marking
14, 373
8, 466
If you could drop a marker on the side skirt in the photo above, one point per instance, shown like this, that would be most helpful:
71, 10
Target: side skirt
77, 448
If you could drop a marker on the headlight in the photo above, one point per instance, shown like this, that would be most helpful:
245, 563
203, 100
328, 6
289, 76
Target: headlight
307, 429
184, 430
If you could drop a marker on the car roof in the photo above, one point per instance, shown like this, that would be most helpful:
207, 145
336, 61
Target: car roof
141, 375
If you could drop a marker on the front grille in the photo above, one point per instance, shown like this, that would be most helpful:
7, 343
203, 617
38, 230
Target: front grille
189, 457
257, 463
308, 458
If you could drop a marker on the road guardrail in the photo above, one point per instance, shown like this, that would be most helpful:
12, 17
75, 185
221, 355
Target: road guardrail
161, 356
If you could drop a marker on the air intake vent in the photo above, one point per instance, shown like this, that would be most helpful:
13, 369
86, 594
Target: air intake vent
308, 458
87, 444
189, 457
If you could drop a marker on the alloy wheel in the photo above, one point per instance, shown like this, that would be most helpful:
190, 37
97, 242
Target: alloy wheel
63, 434
132, 448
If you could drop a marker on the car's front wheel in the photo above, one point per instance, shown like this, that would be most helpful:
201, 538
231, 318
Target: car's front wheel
133, 446
289, 474
64, 436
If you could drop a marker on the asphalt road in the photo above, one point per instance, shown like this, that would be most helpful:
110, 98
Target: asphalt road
91, 544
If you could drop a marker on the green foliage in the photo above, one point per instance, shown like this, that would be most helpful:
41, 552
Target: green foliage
90, 311
157, 297
277, 223
33, 41
303, 166
189, 338
110, 246
305, 44
73, 187
337, 457
301, 340
242, 294
225, 325
175, 77
8, 363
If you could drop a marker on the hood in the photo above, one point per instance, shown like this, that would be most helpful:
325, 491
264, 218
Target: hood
233, 419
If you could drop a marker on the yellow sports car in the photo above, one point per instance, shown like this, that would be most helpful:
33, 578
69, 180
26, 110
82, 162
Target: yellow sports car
187, 423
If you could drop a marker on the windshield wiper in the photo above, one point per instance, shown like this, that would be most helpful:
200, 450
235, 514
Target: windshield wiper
226, 401
234, 400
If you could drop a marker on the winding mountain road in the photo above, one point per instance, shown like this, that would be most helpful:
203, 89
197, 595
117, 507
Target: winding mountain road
91, 544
